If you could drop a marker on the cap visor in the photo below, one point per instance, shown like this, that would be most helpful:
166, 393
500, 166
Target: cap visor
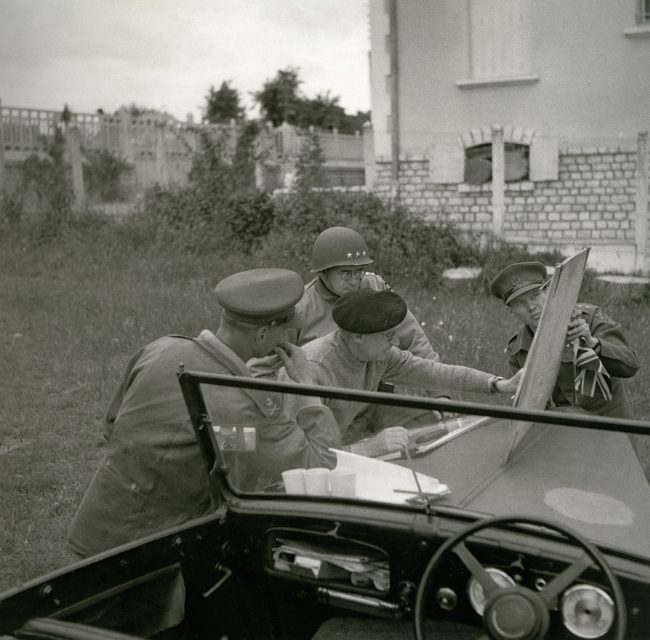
526, 289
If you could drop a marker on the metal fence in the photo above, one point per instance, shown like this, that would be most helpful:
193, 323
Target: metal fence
157, 147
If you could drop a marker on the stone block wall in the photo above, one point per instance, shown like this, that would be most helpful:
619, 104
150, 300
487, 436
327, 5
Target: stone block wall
592, 202
593, 199
467, 207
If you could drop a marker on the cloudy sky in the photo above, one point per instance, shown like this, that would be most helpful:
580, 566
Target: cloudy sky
166, 54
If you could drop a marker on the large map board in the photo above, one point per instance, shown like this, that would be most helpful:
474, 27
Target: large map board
545, 355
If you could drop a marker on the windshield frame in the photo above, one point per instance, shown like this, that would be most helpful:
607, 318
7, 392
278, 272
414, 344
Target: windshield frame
223, 490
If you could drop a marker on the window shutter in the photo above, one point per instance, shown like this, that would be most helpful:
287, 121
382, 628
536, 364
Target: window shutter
446, 163
544, 159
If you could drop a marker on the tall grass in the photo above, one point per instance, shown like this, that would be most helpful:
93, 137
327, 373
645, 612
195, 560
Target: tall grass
73, 310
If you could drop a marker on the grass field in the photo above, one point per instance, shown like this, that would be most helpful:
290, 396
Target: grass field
70, 316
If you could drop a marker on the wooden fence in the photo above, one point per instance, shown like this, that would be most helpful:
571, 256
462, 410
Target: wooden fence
157, 148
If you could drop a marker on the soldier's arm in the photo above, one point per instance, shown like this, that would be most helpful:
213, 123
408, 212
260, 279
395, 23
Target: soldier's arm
304, 435
616, 354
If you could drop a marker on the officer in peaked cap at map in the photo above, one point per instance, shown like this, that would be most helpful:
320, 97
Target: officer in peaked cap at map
152, 476
517, 279
591, 374
595, 363
364, 350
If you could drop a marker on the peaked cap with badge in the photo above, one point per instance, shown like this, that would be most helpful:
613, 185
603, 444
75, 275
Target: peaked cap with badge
517, 279
369, 311
261, 296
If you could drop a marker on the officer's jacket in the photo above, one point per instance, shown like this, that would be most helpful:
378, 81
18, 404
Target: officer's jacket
332, 364
316, 307
152, 475
617, 357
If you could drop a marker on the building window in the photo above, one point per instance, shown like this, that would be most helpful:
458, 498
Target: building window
643, 12
478, 163
500, 38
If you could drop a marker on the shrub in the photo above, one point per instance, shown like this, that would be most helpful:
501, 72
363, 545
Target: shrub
220, 209
249, 218
400, 243
102, 173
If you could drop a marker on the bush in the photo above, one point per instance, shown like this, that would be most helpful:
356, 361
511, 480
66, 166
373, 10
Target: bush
102, 173
400, 243
220, 209
249, 218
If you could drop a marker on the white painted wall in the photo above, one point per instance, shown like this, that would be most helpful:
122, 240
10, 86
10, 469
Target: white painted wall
592, 65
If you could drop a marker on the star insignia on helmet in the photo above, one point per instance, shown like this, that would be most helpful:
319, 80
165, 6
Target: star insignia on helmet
363, 253
349, 255
358, 254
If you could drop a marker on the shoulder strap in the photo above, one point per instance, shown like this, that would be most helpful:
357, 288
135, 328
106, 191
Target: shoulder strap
268, 402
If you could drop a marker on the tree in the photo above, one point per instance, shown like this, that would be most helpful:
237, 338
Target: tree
223, 105
310, 165
279, 100
323, 112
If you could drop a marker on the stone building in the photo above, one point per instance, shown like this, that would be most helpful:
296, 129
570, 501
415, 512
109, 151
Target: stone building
521, 120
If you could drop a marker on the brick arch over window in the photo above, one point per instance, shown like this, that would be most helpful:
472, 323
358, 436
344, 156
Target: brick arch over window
511, 135
447, 160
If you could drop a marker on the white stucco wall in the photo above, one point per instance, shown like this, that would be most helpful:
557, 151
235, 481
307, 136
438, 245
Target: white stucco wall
593, 77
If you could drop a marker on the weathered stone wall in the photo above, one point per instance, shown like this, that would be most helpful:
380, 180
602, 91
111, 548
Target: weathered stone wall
593, 199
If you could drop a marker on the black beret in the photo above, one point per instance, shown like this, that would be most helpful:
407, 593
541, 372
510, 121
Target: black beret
260, 296
369, 311
517, 279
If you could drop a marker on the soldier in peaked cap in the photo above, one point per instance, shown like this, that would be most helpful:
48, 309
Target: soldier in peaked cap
591, 375
152, 476
517, 279
596, 361
363, 350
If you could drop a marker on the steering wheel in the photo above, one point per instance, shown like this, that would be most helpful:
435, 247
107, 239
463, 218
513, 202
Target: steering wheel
519, 613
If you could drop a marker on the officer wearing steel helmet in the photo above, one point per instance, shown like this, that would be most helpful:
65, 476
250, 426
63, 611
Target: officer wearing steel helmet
339, 257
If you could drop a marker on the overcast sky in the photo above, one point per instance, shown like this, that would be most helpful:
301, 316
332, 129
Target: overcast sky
166, 54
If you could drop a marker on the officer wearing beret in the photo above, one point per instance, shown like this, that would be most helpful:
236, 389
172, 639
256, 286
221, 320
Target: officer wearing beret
152, 476
340, 258
592, 372
363, 350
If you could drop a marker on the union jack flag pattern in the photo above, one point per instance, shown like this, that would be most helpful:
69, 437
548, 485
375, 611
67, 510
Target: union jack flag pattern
591, 374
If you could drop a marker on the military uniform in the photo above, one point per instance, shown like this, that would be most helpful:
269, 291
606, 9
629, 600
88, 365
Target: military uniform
316, 309
618, 358
605, 364
152, 476
344, 247
332, 364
